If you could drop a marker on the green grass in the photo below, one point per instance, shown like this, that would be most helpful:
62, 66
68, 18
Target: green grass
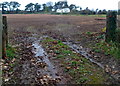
10, 52
108, 48
71, 14
111, 48
79, 68
89, 33
87, 15
98, 15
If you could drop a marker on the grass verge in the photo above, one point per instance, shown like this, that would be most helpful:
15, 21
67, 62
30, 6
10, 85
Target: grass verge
10, 52
107, 48
8, 64
111, 48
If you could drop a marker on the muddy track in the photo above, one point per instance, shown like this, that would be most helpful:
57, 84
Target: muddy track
34, 66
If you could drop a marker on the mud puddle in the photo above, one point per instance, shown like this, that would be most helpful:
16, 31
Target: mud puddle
46, 72
81, 50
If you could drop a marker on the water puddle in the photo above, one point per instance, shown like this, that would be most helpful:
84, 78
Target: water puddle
39, 51
81, 50
47, 68
50, 70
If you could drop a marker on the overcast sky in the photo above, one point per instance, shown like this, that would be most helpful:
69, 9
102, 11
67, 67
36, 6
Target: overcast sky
92, 4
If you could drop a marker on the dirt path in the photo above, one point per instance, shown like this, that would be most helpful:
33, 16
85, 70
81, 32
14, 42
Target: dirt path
34, 66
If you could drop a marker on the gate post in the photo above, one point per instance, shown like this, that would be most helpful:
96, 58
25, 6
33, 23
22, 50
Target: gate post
3, 39
1, 28
5, 29
111, 26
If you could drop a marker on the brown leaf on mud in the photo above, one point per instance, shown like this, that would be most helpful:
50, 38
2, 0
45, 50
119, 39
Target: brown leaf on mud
6, 57
13, 60
95, 56
33, 60
46, 79
107, 69
68, 67
55, 42
115, 72
6, 79
74, 52
54, 55
42, 64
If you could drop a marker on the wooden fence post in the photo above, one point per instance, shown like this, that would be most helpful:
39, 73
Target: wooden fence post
5, 29
4, 36
3, 43
111, 26
1, 28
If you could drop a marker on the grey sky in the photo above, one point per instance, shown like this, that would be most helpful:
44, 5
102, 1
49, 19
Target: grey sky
92, 4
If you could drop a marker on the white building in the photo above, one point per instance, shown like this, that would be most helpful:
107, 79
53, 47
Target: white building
64, 10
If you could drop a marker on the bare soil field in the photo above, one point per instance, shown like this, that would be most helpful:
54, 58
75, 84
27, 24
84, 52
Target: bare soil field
25, 32
70, 27
77, 24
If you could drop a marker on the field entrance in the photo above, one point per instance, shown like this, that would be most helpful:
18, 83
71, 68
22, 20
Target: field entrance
55, 49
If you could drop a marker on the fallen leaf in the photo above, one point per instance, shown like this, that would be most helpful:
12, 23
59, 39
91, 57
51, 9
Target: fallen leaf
68, 67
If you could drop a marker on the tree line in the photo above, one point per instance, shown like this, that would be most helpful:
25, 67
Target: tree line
13, 7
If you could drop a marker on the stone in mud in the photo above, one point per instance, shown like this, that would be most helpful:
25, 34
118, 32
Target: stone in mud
5, 67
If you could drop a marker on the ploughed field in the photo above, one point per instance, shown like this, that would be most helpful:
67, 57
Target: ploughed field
46, 50
44, 22
68, 27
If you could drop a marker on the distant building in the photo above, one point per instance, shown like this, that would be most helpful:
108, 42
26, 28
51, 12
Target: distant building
63, 10
61, 7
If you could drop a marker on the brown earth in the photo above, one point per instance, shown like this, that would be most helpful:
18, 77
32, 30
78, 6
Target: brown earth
69, 27
65, 28
77, 24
